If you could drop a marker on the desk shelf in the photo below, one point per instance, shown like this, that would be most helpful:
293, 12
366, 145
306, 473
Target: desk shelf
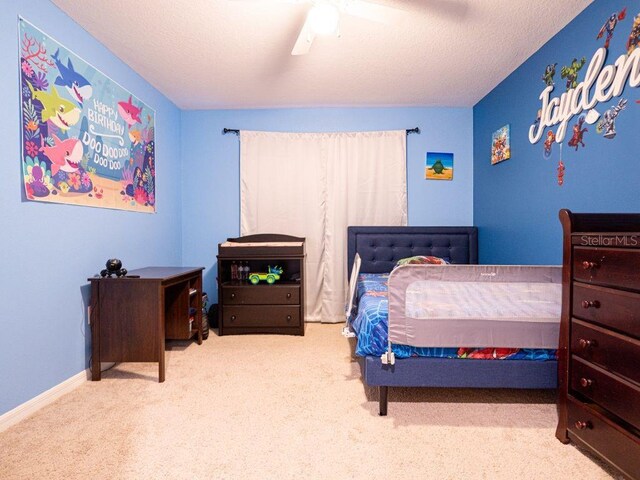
183, 323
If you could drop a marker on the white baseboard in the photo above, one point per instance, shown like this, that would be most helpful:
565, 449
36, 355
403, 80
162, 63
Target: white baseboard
45, 398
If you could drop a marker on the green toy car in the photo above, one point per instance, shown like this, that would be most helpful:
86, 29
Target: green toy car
270, 277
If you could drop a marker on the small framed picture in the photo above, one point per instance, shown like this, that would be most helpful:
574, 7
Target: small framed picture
500, 145
439, 166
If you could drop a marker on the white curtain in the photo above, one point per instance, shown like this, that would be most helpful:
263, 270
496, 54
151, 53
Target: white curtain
314, 185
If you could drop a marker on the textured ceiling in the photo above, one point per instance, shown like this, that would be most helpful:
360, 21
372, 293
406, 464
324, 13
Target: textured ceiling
210, 54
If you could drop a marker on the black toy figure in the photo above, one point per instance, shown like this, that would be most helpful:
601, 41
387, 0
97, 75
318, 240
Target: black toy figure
114, 267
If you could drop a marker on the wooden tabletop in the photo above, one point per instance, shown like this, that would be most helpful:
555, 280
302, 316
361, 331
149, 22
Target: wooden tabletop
157, 273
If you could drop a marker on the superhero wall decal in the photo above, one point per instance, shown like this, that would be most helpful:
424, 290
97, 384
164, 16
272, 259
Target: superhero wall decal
570, 72
634, 36
578, 133
610, 25
592, 94
549, 73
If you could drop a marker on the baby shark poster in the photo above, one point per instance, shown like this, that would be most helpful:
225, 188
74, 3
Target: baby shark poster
85, 139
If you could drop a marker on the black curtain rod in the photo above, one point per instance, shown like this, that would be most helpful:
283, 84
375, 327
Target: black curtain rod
237, 132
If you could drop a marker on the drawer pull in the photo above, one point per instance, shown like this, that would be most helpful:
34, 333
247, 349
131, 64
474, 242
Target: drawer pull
582, 425
288, 318
586, 382
590, 304
289, 295
233, 295
585, 344
233, 317
589, 265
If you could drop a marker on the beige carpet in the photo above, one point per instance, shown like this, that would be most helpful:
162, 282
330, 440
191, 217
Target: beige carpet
279, 407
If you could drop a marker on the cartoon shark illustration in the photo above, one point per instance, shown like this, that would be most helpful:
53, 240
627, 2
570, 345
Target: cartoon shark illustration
65, 154
61, 112
129, 112
78, 87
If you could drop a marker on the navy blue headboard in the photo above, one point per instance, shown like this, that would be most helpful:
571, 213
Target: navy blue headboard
381, 247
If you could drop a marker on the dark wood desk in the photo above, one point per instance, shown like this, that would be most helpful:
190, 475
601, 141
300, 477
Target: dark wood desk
132, 316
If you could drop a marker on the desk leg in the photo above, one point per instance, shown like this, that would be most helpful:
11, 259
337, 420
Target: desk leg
161, 334
95, 367
161, 368
161, 363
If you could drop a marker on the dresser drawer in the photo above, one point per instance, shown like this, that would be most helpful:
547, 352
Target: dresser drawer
607, 266
261, 295
613, 308
587, 427
614, 393
614, 352
261, 316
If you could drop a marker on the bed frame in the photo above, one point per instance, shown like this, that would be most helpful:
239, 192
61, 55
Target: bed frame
380, 248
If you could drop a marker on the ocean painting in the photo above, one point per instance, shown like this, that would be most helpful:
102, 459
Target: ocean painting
439, 166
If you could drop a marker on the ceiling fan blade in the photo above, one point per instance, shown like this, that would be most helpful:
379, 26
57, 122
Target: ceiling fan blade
374, 12
305, 38
273, 1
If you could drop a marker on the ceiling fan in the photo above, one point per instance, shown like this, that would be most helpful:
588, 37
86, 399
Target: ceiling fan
323, 18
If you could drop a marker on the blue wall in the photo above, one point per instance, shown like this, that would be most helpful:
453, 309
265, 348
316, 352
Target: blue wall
516, 202
49, 250
211, 181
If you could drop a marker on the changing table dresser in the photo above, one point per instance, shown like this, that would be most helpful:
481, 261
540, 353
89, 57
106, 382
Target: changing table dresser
599, 354
270, 305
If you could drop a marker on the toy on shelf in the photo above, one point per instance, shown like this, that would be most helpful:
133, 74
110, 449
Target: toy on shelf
270, 277
114, 267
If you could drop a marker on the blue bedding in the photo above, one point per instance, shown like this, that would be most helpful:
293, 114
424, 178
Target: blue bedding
371, 322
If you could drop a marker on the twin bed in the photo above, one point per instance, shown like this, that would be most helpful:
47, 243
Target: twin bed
455, 325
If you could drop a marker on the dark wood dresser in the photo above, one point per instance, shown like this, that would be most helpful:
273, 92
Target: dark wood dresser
263, 307
599, 355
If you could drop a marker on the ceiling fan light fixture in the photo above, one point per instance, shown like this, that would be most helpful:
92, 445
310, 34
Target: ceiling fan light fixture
323, 19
